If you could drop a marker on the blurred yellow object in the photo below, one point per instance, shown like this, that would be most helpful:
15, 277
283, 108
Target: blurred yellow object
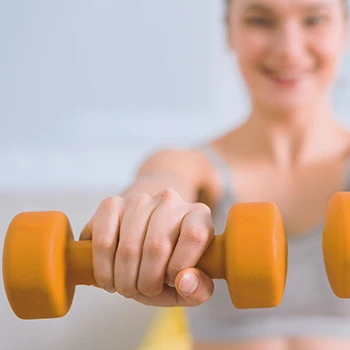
168, 331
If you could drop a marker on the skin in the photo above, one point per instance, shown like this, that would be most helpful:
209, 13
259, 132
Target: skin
147, 239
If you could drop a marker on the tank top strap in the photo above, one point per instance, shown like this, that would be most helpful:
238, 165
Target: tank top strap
221, 165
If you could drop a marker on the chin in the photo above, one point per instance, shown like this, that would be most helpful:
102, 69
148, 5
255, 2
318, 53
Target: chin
288, 104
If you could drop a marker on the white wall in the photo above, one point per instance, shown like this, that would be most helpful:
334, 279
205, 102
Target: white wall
87, 89
90, 85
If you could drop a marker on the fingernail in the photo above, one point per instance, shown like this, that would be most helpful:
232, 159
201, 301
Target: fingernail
188, 284
170, 282
110, 289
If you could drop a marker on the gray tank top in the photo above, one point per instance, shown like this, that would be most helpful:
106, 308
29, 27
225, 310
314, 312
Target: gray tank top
308, 309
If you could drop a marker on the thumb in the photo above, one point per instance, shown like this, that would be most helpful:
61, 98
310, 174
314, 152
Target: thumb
193, 286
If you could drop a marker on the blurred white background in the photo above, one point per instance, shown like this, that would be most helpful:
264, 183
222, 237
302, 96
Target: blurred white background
87, 90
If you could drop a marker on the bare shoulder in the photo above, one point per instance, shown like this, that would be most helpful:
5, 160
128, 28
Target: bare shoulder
189, 162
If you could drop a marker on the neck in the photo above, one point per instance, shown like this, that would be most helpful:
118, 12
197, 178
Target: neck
294, 138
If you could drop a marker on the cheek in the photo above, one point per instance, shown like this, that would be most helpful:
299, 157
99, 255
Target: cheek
327, 54
250, 53
328, 66
326, 47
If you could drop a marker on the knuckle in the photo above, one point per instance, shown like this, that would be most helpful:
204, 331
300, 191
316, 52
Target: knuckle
125, 291
129, 251
203, 207
150, 290
103, 279
110, 204
169, 194
197, 236
103, 243
157, 248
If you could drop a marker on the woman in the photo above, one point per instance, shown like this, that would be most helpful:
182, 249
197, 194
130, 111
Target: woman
290, 151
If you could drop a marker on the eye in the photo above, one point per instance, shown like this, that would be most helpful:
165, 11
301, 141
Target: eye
259, 21
315, 20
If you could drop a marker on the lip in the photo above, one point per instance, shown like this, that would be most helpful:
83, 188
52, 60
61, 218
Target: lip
285, 77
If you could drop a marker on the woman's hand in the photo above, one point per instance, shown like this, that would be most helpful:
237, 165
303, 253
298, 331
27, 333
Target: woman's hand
145, 247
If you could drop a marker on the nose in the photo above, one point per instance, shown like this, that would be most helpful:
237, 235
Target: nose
289, 44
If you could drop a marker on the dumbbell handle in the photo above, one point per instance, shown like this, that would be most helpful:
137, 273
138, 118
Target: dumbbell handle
80, 267
79, 263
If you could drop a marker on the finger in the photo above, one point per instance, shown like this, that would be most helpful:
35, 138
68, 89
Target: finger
194, 287
162, 233
168, 297
106, 225
138, 209
196, 234
198, 291
86, 233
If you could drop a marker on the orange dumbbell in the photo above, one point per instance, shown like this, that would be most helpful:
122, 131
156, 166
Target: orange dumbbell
336, 244
42, 263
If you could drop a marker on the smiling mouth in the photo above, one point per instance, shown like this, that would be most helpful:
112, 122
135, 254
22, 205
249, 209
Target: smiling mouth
285, 77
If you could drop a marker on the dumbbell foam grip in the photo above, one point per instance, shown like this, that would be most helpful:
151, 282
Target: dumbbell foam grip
79, 263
